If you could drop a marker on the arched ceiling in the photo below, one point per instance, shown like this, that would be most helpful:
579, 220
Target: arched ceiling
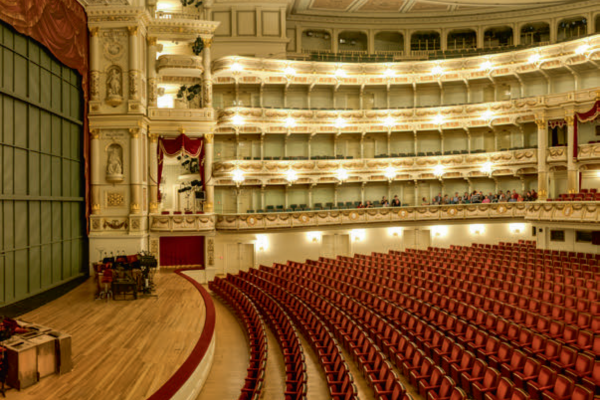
399, 8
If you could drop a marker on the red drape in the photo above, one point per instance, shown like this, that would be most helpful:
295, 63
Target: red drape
173, 147
587, 116
61, 27
182, 251
556, 123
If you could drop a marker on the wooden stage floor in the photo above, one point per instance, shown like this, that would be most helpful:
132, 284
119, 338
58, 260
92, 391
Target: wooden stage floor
121, 349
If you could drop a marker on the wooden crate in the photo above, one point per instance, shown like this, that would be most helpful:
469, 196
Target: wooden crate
63, 351
21, 356
47, 360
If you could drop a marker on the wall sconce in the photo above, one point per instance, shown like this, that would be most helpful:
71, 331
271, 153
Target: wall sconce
438, 119
340, 73
395, 232
390, 173
342, 175
516, 228
289, 71
486, 65
486, 168
438, 171
487, 115
313, 237
340, 123
439, 230
238, 177
262, 242
477, 229
357, 235
389, 122
291, 176
236, 68
290, 122
437, 70
534, 58
237, 120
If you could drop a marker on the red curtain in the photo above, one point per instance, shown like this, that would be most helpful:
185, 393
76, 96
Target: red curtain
587, 116
182, 251
61, 27
181, 145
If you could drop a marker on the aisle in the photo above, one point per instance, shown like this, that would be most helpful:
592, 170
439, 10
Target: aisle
231, 358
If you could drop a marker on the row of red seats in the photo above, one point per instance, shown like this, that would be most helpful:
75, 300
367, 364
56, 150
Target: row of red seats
256, 334
285, 333
379, 373
412, 367
591, 195
339, 379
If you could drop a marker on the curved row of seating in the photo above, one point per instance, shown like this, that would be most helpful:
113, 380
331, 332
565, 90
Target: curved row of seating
482, 335
255, 331
286, 335
340, 381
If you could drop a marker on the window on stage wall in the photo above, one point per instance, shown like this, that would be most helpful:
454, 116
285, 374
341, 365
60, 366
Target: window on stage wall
557, 236
42, 219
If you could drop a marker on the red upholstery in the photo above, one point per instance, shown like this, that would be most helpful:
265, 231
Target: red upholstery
488, 384
503, 391
562, 390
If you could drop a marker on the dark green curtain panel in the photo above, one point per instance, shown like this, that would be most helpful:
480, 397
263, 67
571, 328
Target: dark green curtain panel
42, 186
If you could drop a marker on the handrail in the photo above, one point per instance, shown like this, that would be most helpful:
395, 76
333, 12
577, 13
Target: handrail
185, 371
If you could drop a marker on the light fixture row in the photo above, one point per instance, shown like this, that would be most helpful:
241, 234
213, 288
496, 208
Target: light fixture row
342, 174
341, 123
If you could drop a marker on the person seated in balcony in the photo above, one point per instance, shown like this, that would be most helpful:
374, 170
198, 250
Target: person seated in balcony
437, 200
528, 196
369, 204
465, 198
424, 201
446, 200
486, 200
396, 201
360, 205
384, 202
501, 197
534, 195
456, 198
515, 195
476, 197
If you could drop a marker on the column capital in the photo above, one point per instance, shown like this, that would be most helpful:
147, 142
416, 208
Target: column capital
133, 30
570, 120
94, 30
152, 40
209, 138
541, 123
134, 133
207, 42
94, 134
153, 137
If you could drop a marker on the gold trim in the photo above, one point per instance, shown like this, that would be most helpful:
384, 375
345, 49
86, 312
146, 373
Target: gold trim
133, 30
94, 31
208, 137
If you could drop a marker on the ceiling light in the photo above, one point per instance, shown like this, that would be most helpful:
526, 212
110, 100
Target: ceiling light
438, 119
289, 71
237, 120
390, 173
582, 49
291, 176
534, 58
165, 101
437, 70
517, 228
340, 123
438, 170
342, 174
313, 236
439, 230
486, 65
290, 122
477, 229
238, 176
237, 67
357, 234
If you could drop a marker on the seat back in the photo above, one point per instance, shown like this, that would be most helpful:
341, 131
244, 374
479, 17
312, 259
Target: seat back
581, 393
458, 394
436, 376
467, 359
552, 349
517, 360
505, 351
446, 386
563, 386
479, 367
519, 394
546, 376
531, 368
505, 389
490, 378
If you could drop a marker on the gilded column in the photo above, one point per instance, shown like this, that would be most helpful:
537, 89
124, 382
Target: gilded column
542, 163
207, 81
208, 163
135, 171
153, 171
95, 172
152, 83
94, 64
134, 65
572, 181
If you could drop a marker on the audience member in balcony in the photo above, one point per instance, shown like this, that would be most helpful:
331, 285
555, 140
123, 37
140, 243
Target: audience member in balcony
360, 205
396, 202
534, 194
369, 204
424, 201
486, 200
384, 202
437, 200
528, 196
456, 199
515, 195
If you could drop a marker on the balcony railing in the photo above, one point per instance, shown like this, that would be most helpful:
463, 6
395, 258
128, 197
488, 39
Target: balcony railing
178, 15
182, 223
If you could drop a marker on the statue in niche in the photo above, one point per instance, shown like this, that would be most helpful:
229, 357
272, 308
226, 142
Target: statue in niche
114, 165
114, 87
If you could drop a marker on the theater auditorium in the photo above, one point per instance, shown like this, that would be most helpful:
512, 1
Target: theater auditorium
300, 199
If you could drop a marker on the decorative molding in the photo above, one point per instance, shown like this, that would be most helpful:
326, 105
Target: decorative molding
209, 138
133, 30
182, 223
115, 199
115, 224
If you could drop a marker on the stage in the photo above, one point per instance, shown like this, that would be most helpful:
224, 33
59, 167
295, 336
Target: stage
123, 349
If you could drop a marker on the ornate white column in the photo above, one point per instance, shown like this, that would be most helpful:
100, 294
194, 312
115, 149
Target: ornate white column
542, 164
134, 64
152, 83
94, 64
95, 178
208, 164
417, 199
572, 178
207, 97
135, 161
153, 172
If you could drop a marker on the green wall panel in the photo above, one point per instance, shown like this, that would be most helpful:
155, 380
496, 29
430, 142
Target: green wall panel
42, 221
